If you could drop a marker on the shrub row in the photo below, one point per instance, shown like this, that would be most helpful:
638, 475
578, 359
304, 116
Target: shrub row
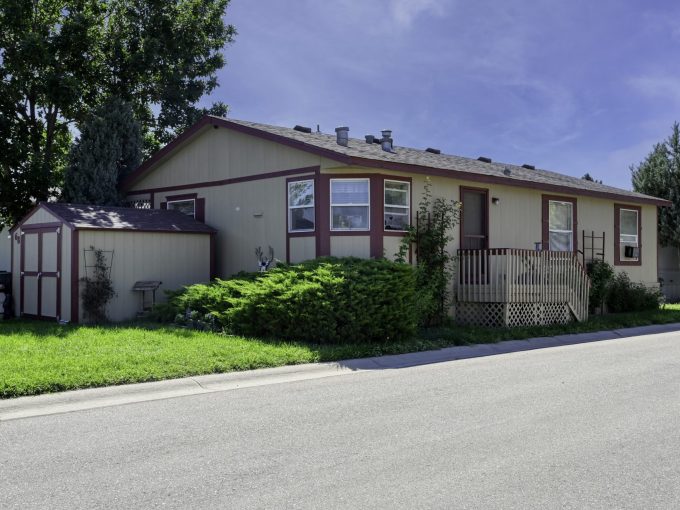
617, 292
327, 300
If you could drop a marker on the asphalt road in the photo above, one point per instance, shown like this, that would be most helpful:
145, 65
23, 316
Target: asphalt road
584, 426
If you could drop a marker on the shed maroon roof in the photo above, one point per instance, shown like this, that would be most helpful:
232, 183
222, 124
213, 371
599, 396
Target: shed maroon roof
94, 217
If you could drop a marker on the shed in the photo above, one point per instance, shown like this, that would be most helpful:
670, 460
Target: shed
52, 250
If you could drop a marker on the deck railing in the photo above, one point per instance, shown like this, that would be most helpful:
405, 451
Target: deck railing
508, 275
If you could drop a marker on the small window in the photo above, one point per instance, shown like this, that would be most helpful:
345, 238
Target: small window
397, 206
187, 207
628, 233
561, 225
301, 206
350, 204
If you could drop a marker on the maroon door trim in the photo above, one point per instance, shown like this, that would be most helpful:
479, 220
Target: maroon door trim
39, 230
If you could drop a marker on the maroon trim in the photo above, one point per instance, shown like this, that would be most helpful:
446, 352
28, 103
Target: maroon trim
213, 256
226, 182
75, 273
545, 219
323, 238
152, 198
200, 210
207, 120
59, 271
377, 214
45, 227
177, 198
487, 211
617, 235
22, 269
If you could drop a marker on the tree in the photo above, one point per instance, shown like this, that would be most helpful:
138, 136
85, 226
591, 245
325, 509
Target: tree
60, 60
659, 175
109, 147
588, 177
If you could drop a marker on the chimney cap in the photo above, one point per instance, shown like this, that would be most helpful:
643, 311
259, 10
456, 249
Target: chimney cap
341, 128
370, 138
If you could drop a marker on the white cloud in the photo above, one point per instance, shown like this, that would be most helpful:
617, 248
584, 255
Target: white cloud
658, 86
404, 12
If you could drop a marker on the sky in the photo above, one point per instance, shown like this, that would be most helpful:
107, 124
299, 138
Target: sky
571, 86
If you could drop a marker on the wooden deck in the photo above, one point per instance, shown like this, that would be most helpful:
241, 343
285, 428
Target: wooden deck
508, 275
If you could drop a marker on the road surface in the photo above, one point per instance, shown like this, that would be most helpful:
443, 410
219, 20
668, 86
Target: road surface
594, 425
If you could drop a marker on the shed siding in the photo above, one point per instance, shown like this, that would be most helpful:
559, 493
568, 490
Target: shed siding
41, 216
175, 259
5, 250
219, 154
302, 248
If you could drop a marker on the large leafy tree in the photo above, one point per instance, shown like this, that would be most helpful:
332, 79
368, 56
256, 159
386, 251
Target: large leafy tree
60, 59
659, 175
109, 147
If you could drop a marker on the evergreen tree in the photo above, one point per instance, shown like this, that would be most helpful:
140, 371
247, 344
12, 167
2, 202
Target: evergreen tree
659, 175
588, 177
109, 147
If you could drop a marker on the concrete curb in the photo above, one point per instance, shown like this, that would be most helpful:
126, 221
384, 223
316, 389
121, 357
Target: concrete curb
78, 400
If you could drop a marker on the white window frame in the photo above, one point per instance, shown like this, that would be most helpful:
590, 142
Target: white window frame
557, 231
623, 244
637, 228
306, 206
167, 205
406, 207
367, 205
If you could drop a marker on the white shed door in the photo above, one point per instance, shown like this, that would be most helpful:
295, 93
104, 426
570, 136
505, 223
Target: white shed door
41, 272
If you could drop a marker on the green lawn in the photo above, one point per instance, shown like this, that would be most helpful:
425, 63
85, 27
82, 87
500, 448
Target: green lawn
40, 357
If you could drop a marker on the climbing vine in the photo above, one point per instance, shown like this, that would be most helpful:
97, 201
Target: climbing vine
97, 289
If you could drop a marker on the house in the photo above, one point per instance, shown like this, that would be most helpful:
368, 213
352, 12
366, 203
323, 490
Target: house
522, 244
53, 249
308, 194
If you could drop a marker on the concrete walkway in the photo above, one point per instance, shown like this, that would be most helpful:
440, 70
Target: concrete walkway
69, 401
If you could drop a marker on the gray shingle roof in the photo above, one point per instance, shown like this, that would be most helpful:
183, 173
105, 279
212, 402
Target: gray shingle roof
126, 218
408, 156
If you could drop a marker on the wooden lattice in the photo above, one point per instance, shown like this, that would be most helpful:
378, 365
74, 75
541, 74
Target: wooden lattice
512, 314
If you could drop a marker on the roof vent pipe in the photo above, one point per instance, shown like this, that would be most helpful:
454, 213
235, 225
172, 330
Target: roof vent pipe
386, 141
342, 134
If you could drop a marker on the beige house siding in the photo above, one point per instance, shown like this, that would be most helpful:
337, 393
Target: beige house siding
137, 256
219, 154
391, 246
302, 248
350, 246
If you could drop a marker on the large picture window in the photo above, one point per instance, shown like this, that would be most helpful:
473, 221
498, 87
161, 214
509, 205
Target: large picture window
397, 205
187, 207
561, 225
301, 216
350, 207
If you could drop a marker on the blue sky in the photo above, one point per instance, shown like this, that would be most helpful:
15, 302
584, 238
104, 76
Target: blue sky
572, 86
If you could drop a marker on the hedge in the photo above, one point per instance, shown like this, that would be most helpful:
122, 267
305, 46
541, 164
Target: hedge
328, 300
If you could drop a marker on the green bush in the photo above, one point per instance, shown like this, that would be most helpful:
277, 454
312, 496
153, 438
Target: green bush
617, 292
601, 274
326, 301
626, 296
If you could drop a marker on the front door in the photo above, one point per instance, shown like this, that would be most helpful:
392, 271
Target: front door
474, 219
41, 272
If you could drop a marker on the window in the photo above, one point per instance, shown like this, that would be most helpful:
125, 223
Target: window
397, 207
187, 207
350, 204
560, 225
629, 223
301, 206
